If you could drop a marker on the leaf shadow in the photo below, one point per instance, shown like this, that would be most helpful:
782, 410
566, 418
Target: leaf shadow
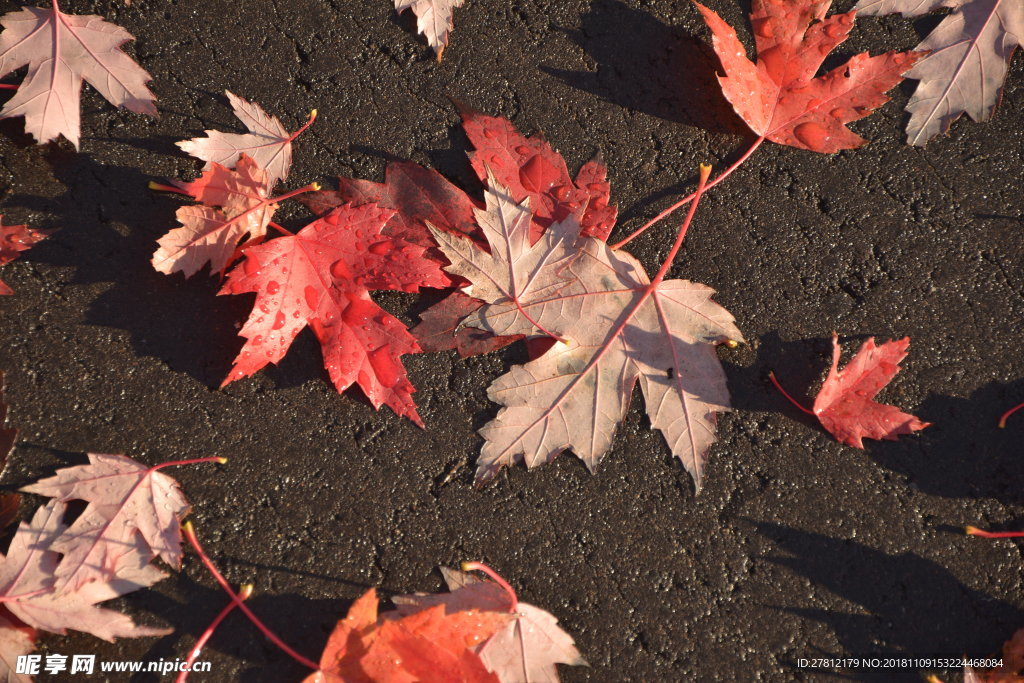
911, 605
676, 69
180, 322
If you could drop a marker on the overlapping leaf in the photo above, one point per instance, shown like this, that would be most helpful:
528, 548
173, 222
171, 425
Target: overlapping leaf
970, 52
60, 50
429, 645
125, 497
234, 204
15, 239
527, 648
779, 97
29, 583
267, 143
322, 278
615, 329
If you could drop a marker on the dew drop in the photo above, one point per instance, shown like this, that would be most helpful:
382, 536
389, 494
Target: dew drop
339, 269
812, 134
257, 340
278, 321
763, 30
380, 248
273, 287
523, 149
561, 192
251, 265
834, 30
490, 135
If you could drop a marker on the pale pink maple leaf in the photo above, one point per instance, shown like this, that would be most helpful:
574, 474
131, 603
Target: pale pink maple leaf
433, 19
60, 51
970, 53
212, 235
28, 582
15, 641
123, 496
267, 142
524, 651
614, 329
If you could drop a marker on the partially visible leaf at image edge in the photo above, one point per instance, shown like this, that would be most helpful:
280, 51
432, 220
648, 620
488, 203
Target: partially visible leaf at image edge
60, 51
433, 20
970, 52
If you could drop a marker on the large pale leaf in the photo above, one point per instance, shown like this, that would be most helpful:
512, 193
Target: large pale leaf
614, 329
970, 54
433, 19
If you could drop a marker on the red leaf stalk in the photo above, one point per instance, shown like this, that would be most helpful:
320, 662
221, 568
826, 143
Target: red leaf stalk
685, 200
194, 461
705, 172
1008, 413
190, 534
975, 531
481, 567
197, 649
771, 376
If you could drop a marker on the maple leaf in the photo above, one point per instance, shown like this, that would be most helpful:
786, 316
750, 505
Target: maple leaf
417, 195
526, 649
779, 97
16, 640
845, 405
530, 169
430, 645
433, 20
322, 277
615, 327
267, 143
124, 496
28, 582
60, 51
212, 235
970, 52
15, 239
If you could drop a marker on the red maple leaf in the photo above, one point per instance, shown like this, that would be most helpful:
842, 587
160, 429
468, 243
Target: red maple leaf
15, 239
322, 277
779, 97
529, 167
429, 646
845, 406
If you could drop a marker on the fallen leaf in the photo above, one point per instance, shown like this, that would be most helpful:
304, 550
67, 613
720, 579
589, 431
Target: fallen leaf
60, 50
16, 640
845, 405
440, 329
28, 582
615, 329
530, 169
267, 143
233, 204
417, 195
779, 97
15, 239
429, 646
970, 52
433, 19
525, 650
124, 497
322, 278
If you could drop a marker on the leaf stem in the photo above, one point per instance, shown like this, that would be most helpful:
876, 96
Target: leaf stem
312, 118
1008, 413
166, 188
682, 202
197, 649
194, 461
771, 376
8, 86
702, 186
481, 567
975, 531
190, 534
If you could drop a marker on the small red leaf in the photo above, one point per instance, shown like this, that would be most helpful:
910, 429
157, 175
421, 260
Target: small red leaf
845, 404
